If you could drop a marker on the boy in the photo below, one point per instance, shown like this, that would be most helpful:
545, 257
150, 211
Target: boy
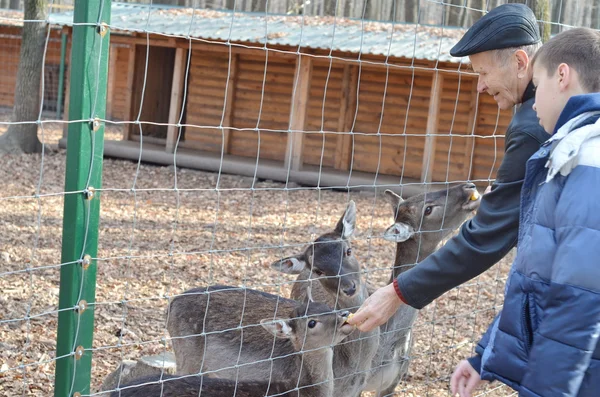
545, 340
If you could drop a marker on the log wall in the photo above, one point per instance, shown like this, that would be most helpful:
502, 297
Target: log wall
365, 117
10, 47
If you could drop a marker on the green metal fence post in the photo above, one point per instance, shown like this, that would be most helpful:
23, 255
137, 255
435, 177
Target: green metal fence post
85, 147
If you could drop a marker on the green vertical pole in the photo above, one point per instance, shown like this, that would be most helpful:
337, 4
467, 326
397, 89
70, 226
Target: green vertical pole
85, 147
61, 75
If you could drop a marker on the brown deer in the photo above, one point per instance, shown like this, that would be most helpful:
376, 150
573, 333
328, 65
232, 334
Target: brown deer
302, 349
421, 223
329, 272
202, 335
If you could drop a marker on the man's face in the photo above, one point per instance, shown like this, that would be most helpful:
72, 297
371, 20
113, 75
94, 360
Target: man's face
498, 79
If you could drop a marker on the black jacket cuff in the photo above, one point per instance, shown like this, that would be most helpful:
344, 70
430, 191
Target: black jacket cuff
475, 362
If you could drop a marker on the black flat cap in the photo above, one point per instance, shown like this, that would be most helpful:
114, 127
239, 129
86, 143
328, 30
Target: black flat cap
508, 25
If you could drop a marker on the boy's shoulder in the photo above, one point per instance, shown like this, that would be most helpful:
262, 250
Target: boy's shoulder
580, 147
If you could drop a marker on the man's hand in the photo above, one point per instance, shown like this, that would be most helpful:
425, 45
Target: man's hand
377, 309
464, 380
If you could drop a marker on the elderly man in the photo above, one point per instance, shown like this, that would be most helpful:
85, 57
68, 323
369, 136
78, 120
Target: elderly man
500, 46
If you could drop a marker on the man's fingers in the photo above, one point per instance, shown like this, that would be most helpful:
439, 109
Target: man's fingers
358, 318
368, 325
361, 314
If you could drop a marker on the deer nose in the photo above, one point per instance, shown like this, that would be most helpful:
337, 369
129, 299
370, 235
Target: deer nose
470, 186
345, 314
350, 290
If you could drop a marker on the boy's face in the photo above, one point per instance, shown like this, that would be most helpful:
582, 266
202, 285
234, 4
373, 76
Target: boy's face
549, 97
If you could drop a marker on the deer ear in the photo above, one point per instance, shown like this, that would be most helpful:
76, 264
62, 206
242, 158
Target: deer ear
346, 226
394, 200
290, 265
278, 327
398, 232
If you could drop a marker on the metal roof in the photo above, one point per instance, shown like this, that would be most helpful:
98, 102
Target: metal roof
328, 33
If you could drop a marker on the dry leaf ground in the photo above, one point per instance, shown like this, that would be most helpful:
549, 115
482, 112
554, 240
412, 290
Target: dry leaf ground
155, 241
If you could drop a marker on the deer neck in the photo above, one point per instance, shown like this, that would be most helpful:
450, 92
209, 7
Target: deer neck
409, 253
317, 370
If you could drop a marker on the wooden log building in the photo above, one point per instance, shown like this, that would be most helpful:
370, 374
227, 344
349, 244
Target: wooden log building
310, 99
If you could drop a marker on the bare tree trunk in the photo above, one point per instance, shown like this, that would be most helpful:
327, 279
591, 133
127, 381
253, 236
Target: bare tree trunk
453, 13
471, 16
595, 15
411, 8
329, 8
464, 13
542, 13
230, 4
568, 9
400, 10
366, 9
258, 5
23, 137
557, 10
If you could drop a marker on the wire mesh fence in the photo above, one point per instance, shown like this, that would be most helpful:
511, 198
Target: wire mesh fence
241, 146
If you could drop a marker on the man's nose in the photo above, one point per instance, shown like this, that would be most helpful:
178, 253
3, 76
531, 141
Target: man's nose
481, 86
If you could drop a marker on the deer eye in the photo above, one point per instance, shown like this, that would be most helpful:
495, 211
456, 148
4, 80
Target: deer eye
349, 252
312, 324
318, 272
428, 210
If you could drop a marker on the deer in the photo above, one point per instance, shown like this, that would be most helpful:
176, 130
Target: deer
303, 350
421, 222
327, 271
202, 337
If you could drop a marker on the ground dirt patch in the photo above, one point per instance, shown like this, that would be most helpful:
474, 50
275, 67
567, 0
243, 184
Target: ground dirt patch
157, 242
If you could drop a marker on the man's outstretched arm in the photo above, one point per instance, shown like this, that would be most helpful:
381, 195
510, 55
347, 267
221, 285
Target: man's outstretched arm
481, 243
483, 240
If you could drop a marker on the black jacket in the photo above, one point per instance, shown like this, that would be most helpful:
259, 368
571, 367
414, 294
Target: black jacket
492, 232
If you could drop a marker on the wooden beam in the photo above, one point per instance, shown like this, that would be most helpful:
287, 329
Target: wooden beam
293, 155
127, 131
471, 127
437, 84
230, 102
112, 77
286, 52
175, 108
155, 40
422, 67
343, 148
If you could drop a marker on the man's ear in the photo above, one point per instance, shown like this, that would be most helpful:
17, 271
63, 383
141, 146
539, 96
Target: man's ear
523, 62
